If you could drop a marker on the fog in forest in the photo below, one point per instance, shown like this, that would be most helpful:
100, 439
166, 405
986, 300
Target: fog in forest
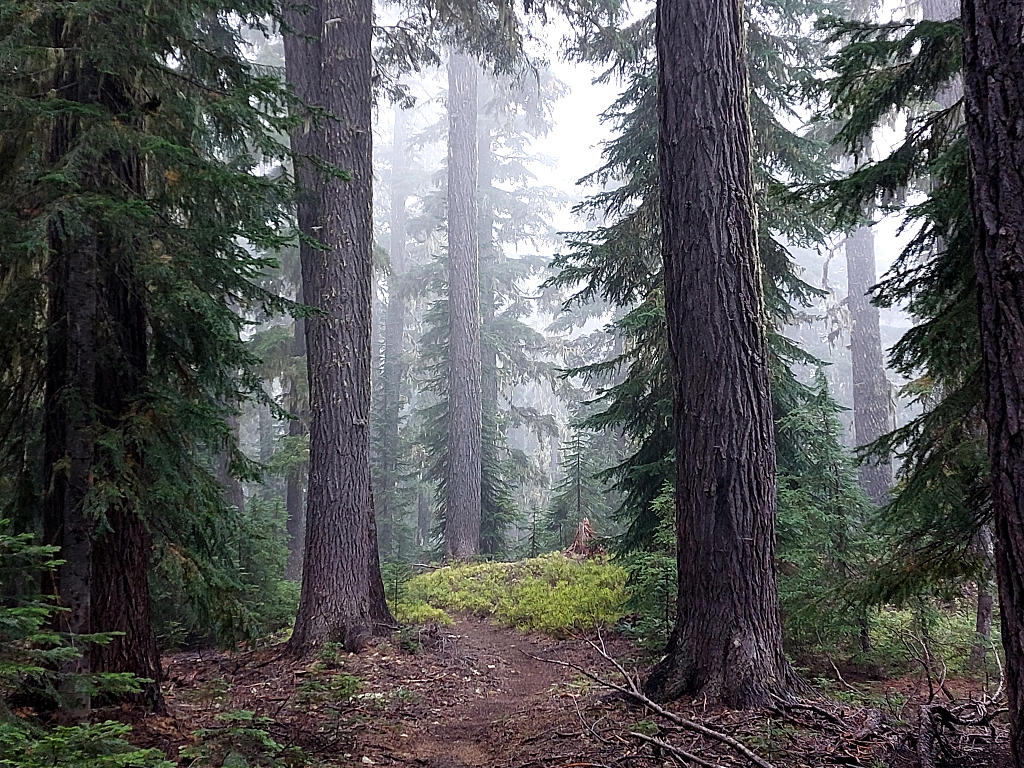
525, 383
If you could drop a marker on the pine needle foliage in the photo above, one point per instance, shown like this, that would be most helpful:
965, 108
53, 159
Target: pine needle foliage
911, 70
617, 264
143, 127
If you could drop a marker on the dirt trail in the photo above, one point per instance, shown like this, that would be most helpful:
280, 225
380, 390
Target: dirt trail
467, 696
500, 704
451, 697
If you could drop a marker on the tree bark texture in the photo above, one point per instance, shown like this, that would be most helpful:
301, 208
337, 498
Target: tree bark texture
295, 481
872, 415
994, 91
68, 406
342, 597
726, 643
462, 524
394, 336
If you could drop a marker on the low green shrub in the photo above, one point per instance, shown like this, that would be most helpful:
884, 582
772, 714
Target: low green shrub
550, 593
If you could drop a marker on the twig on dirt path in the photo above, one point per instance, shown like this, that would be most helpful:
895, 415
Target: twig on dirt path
681, 753
633, 692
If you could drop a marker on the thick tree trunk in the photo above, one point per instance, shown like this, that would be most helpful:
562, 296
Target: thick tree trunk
394, 335
342, 596
462, 524
123, 544
121, 565
994, 90
871, 412
727, 641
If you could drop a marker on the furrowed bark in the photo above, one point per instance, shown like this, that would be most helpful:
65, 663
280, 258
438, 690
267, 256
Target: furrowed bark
329, 63
462, 524
994, 91
726, 643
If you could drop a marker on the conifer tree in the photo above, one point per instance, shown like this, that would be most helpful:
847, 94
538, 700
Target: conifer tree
462, 487
727, 642
327, 50
138, 146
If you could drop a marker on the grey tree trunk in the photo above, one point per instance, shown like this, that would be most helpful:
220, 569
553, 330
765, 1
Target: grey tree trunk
295, 481
994, 91
233, 493
984, 548
394, 335
490, 255
462, 507
727, 641
342, 598
872, 415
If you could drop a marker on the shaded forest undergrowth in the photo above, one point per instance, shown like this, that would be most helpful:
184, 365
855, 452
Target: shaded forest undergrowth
476, 694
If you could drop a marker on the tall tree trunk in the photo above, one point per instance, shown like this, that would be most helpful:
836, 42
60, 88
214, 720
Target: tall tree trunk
462, 524
490, 255
123, 544
96, 366
727, 640
983, 546
394, 335
994, 90
342, 597
295, 523
871, 412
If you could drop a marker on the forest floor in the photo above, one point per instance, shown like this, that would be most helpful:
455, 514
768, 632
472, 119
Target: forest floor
474, 694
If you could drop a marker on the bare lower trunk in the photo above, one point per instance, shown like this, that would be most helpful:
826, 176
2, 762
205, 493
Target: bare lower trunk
983, 546
871, 396
394, 353
121, 564
994, 90
342, 597
727, 641
462, 508
294, 482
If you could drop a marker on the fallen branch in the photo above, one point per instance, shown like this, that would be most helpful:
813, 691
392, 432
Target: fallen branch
681, 753
633, 692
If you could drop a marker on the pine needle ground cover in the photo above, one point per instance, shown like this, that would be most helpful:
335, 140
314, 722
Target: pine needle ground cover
550, 593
